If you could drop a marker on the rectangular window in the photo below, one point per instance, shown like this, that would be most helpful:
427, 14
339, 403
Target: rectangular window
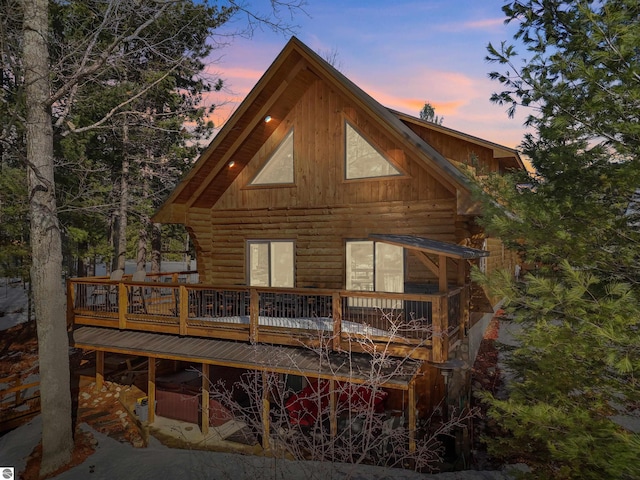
374, 266
271, 263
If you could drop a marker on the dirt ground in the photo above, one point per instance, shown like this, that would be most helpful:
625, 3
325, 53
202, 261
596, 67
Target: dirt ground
101, 410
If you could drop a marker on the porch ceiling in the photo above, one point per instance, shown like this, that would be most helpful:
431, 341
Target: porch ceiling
430, 246
356, 367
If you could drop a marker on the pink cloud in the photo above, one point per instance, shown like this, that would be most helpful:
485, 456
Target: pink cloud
482, 24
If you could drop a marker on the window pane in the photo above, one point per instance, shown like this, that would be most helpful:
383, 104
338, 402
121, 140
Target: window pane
389, 268
363, 160
282, 261
259, 264
279, 168
360, 266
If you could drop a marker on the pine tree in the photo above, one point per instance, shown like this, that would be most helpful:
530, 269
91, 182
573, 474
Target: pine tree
575, 223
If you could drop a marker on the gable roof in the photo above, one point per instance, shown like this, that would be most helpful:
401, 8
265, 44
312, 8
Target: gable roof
509, 158
275, 94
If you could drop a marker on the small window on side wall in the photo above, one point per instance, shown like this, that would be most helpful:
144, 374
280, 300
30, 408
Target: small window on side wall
363, 160
271, 263
279, 168
374, 266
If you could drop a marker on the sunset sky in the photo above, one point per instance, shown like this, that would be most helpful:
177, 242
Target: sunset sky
402, 53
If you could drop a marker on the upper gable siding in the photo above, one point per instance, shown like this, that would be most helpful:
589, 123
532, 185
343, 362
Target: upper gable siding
318, 123
459, 150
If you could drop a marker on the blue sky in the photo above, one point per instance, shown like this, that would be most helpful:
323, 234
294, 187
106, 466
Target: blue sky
402, 53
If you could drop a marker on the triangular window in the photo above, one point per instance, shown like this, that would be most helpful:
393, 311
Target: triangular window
362, 158
279, 167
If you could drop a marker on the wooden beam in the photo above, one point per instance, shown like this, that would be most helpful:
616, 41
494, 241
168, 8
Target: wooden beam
266, 408
99, 369
462, 271
437, 330
443, 282
412, 416
183, 308
71, 301
204, 417
430, 264
254, 313
151, 389
123, 303
336, 307
333, 418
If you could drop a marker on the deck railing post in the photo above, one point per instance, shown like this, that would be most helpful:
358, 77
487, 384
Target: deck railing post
464, 311
71, 301
123, 306
254, 312
439, 330
336, 313
183, 308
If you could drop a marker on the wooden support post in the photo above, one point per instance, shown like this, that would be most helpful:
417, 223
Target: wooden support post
436, 329
183, 309
123, 305
465, 310
333, 419
99, 369
151, 389
443, 283
439, 340
71, 301
204, 418
462, 271
412, 416
336, 312
254, 313
266, 409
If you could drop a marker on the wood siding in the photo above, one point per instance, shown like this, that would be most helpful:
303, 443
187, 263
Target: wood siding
457, 150
321, 210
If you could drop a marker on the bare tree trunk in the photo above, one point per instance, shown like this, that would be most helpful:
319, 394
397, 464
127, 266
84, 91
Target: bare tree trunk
156, 248
145, 224
121, 245
46, 245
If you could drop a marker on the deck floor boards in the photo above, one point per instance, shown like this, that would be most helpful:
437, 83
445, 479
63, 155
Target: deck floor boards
355, 367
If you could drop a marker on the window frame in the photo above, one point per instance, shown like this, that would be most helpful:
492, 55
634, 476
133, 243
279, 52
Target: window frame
285, 138
400, 173
270, 243
375, 267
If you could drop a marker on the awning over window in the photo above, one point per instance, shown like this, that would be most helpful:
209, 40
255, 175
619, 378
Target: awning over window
427, 245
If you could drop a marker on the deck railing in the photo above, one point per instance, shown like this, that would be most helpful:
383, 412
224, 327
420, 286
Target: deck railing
423, 324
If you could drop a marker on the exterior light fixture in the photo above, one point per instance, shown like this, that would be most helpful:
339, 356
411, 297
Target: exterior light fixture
231, 164
267, 119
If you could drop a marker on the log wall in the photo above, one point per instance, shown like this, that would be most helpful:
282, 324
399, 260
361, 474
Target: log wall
322, 209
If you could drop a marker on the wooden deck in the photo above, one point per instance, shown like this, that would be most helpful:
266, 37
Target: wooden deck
419, 326
262, 357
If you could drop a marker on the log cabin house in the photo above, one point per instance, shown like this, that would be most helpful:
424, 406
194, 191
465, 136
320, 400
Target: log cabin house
330, 233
